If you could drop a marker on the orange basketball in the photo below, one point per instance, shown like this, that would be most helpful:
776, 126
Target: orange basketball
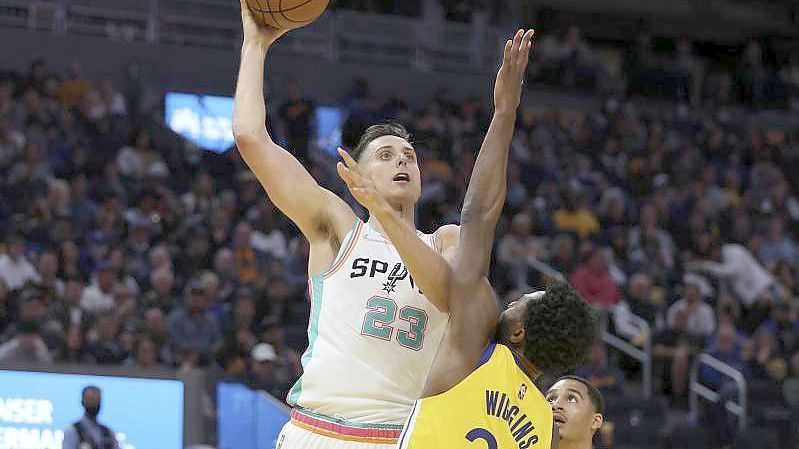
287, 14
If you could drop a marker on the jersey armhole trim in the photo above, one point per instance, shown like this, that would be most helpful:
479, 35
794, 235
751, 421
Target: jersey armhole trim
489, 351
346, 249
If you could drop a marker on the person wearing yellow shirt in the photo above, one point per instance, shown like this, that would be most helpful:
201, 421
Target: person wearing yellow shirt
576, 218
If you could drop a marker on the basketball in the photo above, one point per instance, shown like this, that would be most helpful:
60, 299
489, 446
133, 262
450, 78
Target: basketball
287, 14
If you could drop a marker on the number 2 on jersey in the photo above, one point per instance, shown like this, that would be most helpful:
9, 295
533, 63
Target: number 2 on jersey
482, 434
379, 320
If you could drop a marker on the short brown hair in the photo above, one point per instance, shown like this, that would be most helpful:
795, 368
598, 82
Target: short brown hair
376, 131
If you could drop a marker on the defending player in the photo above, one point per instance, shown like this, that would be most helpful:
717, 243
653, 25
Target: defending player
578, 410
550, 331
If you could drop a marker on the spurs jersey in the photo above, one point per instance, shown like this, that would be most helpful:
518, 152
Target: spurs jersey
372, 338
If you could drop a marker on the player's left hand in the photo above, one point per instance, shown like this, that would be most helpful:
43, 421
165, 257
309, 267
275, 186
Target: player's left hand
360, 185
508, 87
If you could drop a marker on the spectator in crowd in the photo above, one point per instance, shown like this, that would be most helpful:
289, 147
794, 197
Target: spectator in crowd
726, 348
155, 327
298, 119
778, 246
145, 356
98, 296
161, 295
15, 269
104, 345
735, 264
288, 367
673, 349
701, 320
576, 217
784, 329
606, 378
263, 370
593, 281
47, 268
26, 347
191, 329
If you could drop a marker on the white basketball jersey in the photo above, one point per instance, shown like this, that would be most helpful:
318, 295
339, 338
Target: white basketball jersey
372, 335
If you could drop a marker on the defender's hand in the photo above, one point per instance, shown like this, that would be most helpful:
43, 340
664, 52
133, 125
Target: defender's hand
508, 87
360, 185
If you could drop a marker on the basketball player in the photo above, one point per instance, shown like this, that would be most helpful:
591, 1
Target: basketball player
578, 410
372, 334
549, 331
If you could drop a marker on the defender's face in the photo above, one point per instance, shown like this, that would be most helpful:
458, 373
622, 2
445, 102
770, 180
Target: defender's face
573, 410
512, 318
391, 163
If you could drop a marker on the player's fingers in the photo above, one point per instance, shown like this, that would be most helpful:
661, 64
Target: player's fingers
527, 47
344, 173
351, 163
507, 52
517, 40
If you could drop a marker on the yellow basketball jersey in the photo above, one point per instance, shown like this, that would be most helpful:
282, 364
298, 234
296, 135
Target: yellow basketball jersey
496, 407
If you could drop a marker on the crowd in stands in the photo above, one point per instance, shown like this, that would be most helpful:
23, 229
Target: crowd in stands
118, 250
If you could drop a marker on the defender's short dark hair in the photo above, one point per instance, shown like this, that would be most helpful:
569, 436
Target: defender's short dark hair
376, 131
596, 396
561, 329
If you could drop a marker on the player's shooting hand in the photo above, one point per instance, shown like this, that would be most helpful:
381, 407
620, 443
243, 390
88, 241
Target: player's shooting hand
257, 33
361, 186
508, 87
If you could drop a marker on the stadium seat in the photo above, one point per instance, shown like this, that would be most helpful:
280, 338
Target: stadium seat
630, 415
686, 436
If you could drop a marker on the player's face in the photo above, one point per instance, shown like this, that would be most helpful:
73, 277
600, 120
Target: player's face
511, 321
573, 410
391, 163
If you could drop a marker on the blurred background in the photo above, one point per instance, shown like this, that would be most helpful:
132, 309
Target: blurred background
654, 166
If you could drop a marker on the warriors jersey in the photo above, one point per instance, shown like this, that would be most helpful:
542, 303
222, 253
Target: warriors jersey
372, 339
496, 406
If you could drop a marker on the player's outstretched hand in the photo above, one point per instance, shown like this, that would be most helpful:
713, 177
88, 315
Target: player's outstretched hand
508, 88
254, 32
361, 186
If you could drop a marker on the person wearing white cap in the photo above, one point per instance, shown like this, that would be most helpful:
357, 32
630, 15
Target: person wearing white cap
262, 368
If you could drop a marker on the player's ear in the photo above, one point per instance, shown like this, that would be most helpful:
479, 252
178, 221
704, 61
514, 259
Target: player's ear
518, 334
597, 421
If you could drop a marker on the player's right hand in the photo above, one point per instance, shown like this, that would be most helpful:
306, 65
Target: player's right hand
360, 185
254, 32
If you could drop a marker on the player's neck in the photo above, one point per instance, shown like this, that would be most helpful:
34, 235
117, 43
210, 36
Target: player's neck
407, 213
575, 444
524, 364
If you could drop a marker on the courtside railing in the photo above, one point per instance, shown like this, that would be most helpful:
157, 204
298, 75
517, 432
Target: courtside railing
699, 390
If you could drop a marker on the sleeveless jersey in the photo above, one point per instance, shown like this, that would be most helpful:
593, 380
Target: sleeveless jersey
372, 338
496, 406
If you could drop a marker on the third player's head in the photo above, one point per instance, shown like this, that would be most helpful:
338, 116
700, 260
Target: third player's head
386, 155
578, 408
554, 329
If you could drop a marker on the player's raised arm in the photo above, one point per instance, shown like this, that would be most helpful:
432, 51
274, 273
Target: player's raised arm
428, 267
485, 196
288, 184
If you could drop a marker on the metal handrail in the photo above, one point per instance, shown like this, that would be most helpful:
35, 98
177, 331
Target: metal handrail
697, 389
642, 355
